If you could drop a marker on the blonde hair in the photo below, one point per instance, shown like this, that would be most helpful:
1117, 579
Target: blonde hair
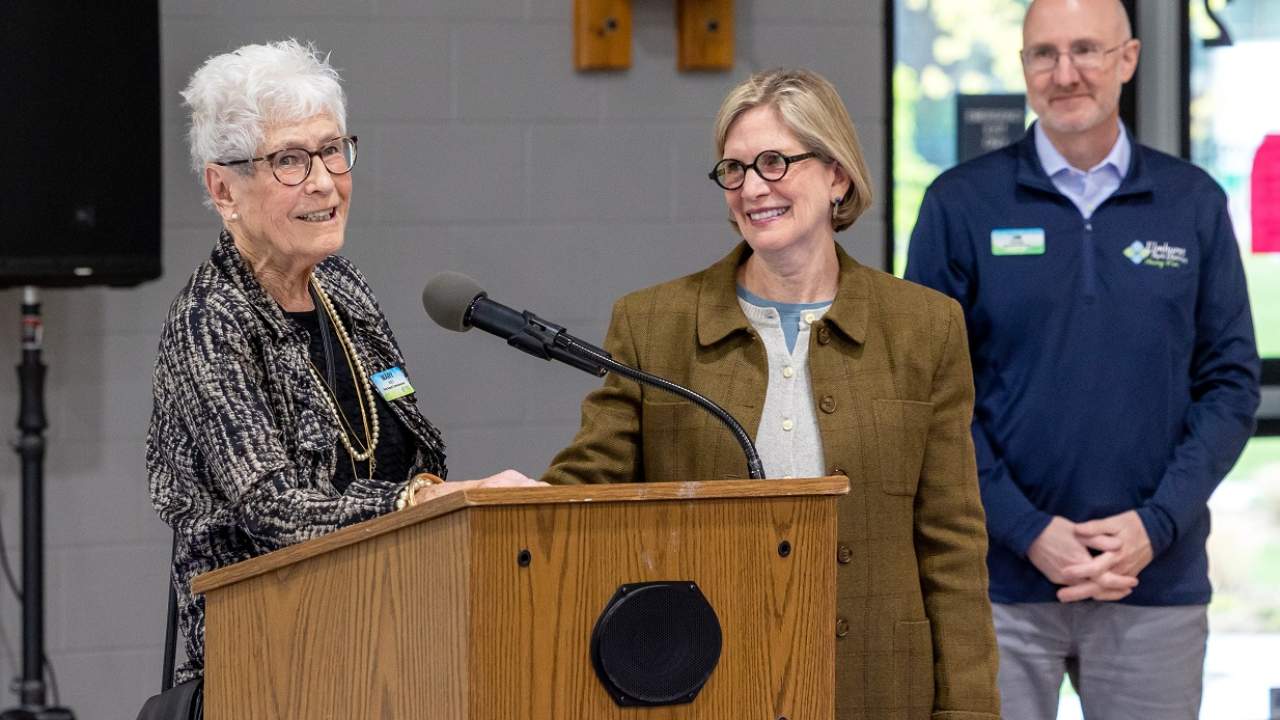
811, 108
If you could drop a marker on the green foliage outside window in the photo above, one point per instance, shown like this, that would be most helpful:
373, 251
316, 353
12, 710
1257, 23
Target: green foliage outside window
943, 47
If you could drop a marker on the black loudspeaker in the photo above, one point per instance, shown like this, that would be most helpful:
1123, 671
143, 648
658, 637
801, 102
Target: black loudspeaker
656, 643
80, 175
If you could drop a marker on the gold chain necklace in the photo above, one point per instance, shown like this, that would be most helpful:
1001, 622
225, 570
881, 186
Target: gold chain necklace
342, 415
360, 379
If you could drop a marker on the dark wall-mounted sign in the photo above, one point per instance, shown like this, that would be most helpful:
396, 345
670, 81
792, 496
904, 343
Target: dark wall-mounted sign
988, 122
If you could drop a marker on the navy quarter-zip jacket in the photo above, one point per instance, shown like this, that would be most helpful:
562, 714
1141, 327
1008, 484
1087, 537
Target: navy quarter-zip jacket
1117, 370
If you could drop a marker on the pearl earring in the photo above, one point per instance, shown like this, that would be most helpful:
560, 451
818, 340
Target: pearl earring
234, 216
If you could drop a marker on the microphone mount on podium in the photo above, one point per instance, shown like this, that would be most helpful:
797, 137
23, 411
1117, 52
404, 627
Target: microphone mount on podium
456, 302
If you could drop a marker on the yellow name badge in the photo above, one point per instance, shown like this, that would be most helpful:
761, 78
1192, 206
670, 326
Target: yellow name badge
1017, 241
392, 384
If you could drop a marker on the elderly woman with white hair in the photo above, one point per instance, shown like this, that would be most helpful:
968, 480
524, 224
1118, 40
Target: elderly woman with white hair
283, 408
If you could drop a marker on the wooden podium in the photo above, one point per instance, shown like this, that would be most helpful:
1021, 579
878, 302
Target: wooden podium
482, 604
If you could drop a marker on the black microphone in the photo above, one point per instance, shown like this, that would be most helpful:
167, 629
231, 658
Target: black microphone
458, 303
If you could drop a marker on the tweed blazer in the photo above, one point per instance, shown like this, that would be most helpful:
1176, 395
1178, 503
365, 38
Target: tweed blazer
242, 446
893, 390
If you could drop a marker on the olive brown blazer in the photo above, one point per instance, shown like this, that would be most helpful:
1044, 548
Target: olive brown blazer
893, 389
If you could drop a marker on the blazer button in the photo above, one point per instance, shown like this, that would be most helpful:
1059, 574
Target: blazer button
844, 554
842, 627
828, 404
824, 335
837, 470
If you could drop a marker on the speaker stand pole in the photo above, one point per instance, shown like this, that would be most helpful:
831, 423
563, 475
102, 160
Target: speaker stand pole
30, 447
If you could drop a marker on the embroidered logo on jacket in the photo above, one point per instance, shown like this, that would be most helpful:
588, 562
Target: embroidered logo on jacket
1154, 254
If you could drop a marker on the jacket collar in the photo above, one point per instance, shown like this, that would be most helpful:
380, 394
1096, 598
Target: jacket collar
230, 263
720, 315
348, 298
1031, 174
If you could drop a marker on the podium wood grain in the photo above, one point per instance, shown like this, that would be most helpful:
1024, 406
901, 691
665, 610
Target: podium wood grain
427, 613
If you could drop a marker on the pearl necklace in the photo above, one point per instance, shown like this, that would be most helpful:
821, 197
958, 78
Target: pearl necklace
360, 382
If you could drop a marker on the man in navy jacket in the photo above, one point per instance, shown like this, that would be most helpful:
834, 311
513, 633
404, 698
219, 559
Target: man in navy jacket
1116, 372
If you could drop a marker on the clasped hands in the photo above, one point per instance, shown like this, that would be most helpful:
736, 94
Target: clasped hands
1061, 552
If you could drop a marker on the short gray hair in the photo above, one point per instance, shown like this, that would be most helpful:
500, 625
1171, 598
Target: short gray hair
235, 96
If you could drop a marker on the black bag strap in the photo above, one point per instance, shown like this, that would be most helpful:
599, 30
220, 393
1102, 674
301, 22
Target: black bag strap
171, 632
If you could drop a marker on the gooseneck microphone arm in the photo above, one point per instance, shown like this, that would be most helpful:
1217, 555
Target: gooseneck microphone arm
605, 362
457, 303
526, 332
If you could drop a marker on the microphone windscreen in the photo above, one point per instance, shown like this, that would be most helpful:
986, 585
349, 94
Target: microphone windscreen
447, 297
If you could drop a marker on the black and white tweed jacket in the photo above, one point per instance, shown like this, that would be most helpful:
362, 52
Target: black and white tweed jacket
241, 447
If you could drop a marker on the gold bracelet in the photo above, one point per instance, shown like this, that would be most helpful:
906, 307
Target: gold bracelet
407, 496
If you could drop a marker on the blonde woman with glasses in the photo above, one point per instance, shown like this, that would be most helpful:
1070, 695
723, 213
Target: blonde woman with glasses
834, 368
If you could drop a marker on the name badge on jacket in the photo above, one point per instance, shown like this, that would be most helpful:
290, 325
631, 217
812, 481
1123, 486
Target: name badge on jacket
392, 384
1017, 241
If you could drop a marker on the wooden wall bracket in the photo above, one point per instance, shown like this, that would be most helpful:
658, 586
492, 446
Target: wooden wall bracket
602, 34
705, 32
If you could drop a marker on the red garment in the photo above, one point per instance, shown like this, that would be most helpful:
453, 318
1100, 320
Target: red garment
1266, 196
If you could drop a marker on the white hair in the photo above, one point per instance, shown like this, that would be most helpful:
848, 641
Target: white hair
235, 96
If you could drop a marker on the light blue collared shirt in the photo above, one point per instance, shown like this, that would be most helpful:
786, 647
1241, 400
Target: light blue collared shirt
1089, 189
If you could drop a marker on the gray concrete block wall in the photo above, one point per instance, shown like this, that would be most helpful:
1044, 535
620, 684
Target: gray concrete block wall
481, 151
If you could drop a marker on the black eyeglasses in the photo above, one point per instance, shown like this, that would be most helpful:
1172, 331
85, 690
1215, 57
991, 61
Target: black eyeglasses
770, 165
292, 166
